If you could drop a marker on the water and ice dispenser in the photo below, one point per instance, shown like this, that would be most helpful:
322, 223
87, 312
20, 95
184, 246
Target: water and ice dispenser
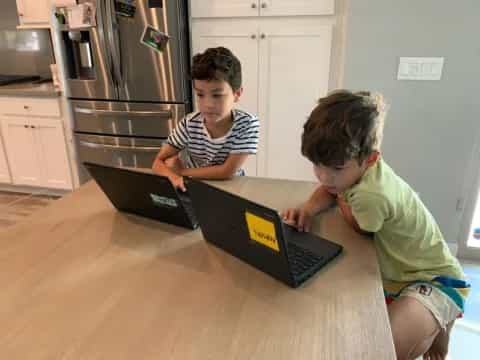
78, 49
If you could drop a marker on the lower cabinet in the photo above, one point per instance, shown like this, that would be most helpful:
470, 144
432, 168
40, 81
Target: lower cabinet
36, 152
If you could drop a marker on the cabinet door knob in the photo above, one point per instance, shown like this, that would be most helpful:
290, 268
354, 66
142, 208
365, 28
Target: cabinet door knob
263, 36
32, 126
253, 36
20, 14
254, 6
26, 107
25, 126
264, 5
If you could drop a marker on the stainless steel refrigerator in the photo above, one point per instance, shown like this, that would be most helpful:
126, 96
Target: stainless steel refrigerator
127, 78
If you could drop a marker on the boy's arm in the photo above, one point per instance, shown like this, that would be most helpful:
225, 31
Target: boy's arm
320, 200
159, 167
348, 216
301, 216
218, 172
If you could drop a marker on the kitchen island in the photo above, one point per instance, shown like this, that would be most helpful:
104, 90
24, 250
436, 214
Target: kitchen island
81, 280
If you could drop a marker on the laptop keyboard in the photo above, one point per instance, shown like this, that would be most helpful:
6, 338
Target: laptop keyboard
302, 261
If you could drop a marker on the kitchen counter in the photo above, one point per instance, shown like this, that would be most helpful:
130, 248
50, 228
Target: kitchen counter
81, 280
29, 89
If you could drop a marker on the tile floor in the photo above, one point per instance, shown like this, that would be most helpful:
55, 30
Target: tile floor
16, 206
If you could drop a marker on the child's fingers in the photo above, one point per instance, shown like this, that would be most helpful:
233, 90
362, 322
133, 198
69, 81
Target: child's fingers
289, 216
306, 225
303, 221
286, 214
181, 185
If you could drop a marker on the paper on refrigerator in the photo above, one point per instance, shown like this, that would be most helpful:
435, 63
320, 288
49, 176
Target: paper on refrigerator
82, 15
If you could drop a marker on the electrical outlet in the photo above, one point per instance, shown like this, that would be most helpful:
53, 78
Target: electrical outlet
420, 68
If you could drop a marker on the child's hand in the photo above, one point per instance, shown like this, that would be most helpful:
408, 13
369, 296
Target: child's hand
177, 181
300, 217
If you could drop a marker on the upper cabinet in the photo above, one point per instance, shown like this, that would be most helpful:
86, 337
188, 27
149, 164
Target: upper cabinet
237, 8
222, 8
33, 13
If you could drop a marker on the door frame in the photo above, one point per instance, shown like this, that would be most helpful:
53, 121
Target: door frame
470, 197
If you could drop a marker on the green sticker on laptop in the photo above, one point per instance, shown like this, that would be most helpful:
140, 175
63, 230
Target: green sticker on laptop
163, 201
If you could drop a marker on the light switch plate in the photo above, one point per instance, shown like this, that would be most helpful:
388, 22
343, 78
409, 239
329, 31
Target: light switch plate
420, 68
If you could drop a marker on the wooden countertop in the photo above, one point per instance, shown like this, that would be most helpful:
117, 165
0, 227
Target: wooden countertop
83, 281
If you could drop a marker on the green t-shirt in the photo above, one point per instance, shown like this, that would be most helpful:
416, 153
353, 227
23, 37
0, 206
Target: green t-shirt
407, 238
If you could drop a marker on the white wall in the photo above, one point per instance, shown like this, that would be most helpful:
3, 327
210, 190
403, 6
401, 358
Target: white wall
432, 125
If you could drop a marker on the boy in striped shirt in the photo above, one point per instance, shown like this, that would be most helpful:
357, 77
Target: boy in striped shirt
214, 142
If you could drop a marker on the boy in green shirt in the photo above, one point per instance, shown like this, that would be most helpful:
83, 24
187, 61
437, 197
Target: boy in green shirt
423, 282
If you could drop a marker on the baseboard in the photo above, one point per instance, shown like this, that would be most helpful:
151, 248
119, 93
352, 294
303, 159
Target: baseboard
32, 190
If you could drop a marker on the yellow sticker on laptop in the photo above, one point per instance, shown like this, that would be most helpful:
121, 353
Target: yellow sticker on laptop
262, 231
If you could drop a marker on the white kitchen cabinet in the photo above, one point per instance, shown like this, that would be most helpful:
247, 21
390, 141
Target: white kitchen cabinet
286, 67
245, 8
4, 170
36, 151
21, 151
33, 12
296, 7
52, 150
222, 8
294, 63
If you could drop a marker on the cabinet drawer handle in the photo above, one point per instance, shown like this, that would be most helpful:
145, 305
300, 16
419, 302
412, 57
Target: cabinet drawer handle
162, 113
25, 126
253, 36
26, 107
263, 36
254, 6
89, 144
264, 5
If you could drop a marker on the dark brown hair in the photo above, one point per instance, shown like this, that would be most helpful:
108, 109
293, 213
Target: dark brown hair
344, 126
218, 64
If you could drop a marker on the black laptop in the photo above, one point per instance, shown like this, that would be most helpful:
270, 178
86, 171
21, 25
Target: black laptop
144, 194
257, 235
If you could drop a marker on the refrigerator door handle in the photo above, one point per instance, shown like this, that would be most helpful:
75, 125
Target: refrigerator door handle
163, 114
102, 39
119, 147
114, 38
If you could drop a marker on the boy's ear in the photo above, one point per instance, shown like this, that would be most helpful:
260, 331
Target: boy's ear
237, 93
372, 158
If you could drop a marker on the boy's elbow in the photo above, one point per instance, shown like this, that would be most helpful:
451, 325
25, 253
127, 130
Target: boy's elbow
157, 166
228, 175
228, 172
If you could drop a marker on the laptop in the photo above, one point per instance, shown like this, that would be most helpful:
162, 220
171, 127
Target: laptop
144, 194
256, 234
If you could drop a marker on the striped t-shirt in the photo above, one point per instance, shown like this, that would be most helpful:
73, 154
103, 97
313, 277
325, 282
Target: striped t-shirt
199, 149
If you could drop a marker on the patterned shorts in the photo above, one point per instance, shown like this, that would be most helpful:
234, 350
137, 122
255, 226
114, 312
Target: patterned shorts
446, 303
